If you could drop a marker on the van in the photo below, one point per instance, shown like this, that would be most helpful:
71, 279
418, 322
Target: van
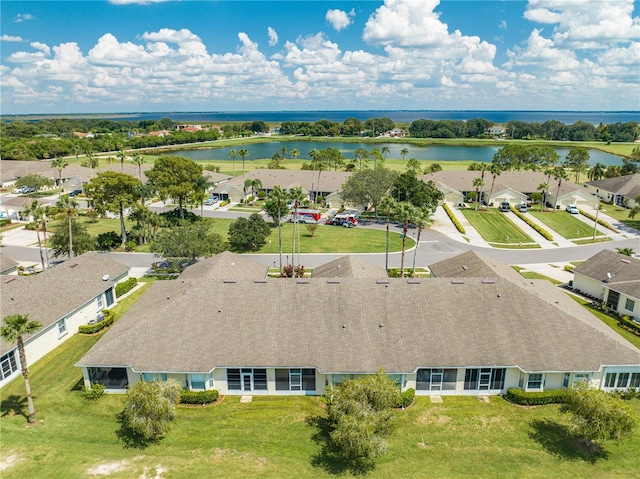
504, 206
522, 208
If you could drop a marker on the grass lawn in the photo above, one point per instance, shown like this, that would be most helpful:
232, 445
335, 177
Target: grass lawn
495, 227
534, 275
622, 215
282, 437
565, 224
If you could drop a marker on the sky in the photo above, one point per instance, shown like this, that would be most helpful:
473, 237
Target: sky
154, 55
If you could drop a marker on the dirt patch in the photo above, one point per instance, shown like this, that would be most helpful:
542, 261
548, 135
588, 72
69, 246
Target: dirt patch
159, 471
430, 418
9, 461
107, 468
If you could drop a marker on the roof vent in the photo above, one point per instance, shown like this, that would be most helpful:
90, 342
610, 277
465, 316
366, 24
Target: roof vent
381, 325
413, 281
382, 281
333, 281
488, 281
106, 277
344, 326
302, 281
228, 281
626, 261
73, 265
464, 267
457, 281
260, 281
9, 280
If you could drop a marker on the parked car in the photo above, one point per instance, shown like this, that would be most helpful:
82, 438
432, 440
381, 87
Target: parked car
75, 193
211, 201
522, 208
504, 206
573, 209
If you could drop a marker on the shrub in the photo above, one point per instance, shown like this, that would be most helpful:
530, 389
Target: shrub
108, 241
198, 397
224, 202
5, 222
406, 398
453, 219
130, 245
536, 398
173, 217
600, 221
262, 194
125, 286
545, 234
93, 392
109, 317
626, 323
569, 268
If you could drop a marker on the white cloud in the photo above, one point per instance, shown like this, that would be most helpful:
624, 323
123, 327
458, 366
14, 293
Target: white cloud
44, 48
503, 25
110, 52
23, 17
339, 19
10, 38
273, 36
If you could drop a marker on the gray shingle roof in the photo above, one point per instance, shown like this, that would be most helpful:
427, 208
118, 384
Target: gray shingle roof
56, 292
621, 267
226, 265
7, 263
358, 325
329, 180
628, 185
349, 267
474, 265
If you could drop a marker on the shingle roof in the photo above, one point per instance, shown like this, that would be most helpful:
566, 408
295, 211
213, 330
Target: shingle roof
225, 265
329, 180
619, 266
628, 185
474, 265
358, 325
349, 267
56, 292
7, 263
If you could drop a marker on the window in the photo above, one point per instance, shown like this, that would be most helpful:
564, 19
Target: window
295, 379
233, 379
99, 300
484, 379
612, 299
8, 365
247, 379
534, 381
150, 377
622, 380
197, 381
109, 295
260, 379
62, 328
436, 379
565, 380
610, 380
635, 380
581, 377
629, 304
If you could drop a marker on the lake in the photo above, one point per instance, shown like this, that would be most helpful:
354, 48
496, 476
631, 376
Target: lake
433, 152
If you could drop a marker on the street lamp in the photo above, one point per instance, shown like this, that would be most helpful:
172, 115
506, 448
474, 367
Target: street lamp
595, 226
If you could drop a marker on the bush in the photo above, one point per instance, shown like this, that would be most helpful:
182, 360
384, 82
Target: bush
626, 323
130, 245
224, 202
451, 216
262, 194
535, 226
109, 317
569, 268
601, 222
537, 398
93, 392
173, 217
108, 241
406, 398
125, 286
5, 222
198, 397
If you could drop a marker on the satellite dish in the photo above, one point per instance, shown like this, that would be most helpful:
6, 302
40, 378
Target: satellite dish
105, 277
609, 275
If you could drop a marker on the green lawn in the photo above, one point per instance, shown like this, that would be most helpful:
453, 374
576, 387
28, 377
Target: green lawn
495, 226
565, 224
622, 215
275, 437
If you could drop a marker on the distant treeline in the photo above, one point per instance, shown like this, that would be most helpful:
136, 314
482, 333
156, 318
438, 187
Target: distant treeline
50, 138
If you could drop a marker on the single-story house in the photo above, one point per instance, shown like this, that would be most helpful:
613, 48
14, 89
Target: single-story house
8, 266
508, 195
61, 298
296, 336
620, 190
612, 278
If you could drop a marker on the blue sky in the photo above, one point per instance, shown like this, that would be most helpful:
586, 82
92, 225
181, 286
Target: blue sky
137, 55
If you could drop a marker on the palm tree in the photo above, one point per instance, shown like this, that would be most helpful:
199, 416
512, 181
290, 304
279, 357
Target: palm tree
597, 172
404, 152
361, 154
407, 214
495, 171
296, 196
59, 164
243, 154
36, 211
559, 173
388, 205
138, 159
543, 187
423, 215
68, 205
626, 251
635, 211
122, 156
284, 151
233, 154
93, 162
279, 195
77, 149
385, 151
13, 331
477, 184
201, 192
254, 184
295, 153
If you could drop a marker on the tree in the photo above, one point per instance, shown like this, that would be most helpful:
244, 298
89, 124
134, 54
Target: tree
388, 206
544, 187
368, 187
626, 251
122, 155
192, 241
248, 233
16, 326
635, 211
413, 166
559, 174
598, 416
495, 171
72, 239
597, 172
406, 213
175, 177
114, 192
422, 218
478, 183
360, 414
276, 207
404, 152
33, 180
407, 187
295, 153
150, 406
361, 155
59, 164
233, 154
68, 206
385, 151
254, 184
243, 154
297, 197
36, 212
578, 160
138, 160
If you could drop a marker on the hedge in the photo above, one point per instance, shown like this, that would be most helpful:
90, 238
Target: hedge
125, 286
537, 398
198, 397
109, 316
629, 325
453, 219
600, 221
545, 234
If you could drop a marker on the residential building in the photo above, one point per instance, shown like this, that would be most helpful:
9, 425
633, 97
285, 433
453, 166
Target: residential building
221, 328
620, 190
61, 298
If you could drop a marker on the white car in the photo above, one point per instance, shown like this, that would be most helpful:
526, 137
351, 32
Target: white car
573, 209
